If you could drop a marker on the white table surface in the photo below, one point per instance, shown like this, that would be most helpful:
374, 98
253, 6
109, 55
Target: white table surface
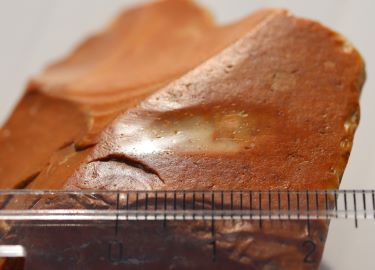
33, 33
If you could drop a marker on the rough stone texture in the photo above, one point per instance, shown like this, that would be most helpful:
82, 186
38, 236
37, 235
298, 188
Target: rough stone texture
275, 106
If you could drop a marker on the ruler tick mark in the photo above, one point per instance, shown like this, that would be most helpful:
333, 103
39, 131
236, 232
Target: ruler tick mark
203, 200
117, 215
288, 200
326, 202
355, 209
260, 209
241, 206
165, 209
279, 202
308, 214
146, 201
269, 204
251, 204
336, 210
156, 203
345, 205
317, 203
364, 204
298, 206
231, 202
174, 204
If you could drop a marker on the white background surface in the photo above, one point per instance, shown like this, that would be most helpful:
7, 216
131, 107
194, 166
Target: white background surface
33, 33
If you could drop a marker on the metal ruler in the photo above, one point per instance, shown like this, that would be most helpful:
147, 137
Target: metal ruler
105, 216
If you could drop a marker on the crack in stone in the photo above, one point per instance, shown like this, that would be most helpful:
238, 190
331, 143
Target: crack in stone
130, 162
24, 183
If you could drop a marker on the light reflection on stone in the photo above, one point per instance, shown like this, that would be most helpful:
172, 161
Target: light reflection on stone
212, 131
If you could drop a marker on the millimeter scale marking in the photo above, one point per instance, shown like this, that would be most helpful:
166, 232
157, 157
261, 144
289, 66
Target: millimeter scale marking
190, 205
119, 207
213, 236
307, 209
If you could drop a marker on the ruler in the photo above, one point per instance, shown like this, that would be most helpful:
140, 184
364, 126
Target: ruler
104, 223
187, 205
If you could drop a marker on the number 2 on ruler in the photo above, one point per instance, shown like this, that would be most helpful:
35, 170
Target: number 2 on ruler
310, 247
